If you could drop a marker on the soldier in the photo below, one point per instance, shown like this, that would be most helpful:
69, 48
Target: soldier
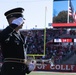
13, 45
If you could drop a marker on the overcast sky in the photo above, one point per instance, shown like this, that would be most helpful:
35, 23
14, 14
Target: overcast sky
34, 12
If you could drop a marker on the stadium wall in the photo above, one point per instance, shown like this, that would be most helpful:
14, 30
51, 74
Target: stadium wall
56, 68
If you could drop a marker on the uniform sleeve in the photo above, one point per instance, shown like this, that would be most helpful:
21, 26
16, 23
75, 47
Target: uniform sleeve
7, 31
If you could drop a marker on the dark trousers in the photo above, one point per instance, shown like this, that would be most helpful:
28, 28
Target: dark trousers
10, 68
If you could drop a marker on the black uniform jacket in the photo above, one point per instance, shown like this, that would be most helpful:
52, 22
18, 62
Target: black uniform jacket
11, 43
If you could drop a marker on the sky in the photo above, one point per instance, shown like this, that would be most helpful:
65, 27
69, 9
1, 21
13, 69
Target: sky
38, 13
59, 6
62, 5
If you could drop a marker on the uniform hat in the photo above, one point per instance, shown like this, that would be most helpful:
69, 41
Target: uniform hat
16, 12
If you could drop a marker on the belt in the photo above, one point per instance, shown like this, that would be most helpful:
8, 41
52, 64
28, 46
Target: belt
15, 60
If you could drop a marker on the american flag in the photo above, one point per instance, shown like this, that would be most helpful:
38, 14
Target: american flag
74, 17
72, 11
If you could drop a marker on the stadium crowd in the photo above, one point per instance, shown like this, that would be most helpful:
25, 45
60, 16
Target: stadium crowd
35, 40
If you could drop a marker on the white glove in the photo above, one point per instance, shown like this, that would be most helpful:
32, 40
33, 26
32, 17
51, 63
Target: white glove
32, 66
18, 21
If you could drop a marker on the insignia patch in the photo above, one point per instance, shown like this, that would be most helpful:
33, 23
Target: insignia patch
17, 42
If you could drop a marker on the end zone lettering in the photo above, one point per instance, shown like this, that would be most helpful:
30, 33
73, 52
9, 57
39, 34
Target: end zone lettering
62, 67
48, 67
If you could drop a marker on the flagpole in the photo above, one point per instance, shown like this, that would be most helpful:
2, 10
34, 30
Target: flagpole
68, 12
68, 15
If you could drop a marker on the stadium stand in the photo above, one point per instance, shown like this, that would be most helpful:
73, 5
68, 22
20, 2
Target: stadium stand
35, 43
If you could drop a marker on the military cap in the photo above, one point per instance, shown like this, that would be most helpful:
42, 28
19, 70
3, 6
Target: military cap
16, 12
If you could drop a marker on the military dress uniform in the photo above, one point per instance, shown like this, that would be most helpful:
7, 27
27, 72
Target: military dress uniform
12, 45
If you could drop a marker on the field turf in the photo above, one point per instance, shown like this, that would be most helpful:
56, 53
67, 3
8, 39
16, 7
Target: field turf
50, 73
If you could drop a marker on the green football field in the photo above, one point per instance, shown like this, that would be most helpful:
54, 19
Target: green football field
50, 73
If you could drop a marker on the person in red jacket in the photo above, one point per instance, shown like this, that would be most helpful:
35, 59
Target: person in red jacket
13, 45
